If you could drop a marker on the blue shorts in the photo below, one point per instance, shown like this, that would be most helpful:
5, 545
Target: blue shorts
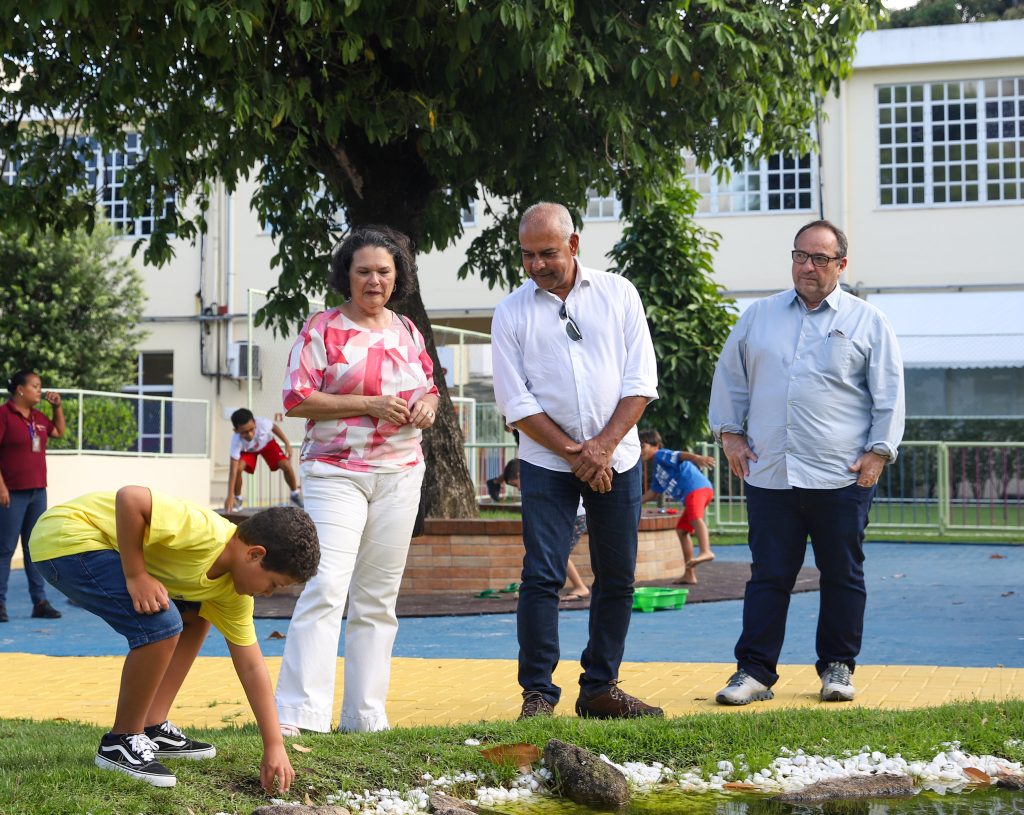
95, 581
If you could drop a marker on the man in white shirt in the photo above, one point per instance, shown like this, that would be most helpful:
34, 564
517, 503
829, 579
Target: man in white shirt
807, 403
574, 369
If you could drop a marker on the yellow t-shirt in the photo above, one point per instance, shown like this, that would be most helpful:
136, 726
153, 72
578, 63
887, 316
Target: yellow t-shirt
180, 545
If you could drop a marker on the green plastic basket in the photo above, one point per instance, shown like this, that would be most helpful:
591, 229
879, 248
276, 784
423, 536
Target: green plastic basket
654, 598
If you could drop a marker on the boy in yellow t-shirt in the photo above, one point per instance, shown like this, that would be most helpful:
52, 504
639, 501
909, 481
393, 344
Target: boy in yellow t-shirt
160, 571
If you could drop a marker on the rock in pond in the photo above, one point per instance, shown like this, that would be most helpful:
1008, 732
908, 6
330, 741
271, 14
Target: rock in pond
584, 778
441, 804
859, 786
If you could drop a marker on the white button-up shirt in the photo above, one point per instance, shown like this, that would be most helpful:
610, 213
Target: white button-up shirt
578, 385
812, 390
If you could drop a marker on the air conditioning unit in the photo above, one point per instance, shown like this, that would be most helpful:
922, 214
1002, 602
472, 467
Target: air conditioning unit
238, 361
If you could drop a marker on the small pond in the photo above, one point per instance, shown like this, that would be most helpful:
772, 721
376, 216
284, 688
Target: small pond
989, 801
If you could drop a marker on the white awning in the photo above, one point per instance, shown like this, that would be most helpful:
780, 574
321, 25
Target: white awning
953, 329
957, 329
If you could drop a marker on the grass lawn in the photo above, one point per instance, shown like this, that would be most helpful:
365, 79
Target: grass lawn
46, 767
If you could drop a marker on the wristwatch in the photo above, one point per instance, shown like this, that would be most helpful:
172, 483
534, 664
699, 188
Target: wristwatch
881, 452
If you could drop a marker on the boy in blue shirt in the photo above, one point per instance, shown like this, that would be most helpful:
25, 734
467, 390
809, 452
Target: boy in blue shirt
676, 475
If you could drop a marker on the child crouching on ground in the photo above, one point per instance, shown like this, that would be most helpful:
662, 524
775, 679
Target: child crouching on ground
676, 475
160, 571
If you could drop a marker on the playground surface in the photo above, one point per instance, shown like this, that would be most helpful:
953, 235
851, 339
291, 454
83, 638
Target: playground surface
944, 622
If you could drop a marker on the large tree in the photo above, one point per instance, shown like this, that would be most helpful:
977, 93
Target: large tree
69, 309
402, 111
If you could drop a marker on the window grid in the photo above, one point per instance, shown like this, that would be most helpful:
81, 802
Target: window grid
602, 208
950, 143
777, 183
468, 214
10, 174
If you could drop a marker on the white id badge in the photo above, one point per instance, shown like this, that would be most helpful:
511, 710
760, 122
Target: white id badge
37, 444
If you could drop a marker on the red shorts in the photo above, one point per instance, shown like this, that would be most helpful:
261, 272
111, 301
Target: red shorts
271, 453
693, 507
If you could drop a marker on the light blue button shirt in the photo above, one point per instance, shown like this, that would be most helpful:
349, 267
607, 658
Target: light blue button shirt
812, 390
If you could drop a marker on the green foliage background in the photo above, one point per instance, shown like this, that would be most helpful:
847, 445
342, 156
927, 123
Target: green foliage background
668, 256
69, 309
949, 12
109, 424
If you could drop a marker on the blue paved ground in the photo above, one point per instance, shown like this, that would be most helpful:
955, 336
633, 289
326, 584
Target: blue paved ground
928, 604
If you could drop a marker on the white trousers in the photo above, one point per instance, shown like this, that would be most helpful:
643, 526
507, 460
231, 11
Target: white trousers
364, 522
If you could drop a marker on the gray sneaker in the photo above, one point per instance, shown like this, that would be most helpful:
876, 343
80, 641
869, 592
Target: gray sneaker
742, 690
296, 498
835, 683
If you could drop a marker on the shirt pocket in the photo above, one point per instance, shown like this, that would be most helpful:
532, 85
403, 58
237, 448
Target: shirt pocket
838, 352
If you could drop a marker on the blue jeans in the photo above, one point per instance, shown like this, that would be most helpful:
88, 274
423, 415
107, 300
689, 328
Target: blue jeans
17, 521
550, 500
780, 521
95, 581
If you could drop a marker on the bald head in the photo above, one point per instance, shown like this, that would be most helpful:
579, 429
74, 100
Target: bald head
551, 216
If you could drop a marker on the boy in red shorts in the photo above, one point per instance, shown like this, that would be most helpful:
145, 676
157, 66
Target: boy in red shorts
254, 437
676, 475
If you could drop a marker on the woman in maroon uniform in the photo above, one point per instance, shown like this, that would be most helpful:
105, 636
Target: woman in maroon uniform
23, 434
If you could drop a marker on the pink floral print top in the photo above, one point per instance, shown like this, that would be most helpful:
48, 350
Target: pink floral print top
335, 355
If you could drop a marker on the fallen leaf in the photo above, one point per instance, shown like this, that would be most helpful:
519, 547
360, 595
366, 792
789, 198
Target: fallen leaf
301, 748
739, 785
520, 756
997, 557
275, 635
700, 698
190, 811
977, 776
307, 800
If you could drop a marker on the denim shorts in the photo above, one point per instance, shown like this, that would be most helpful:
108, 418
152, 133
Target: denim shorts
95, 581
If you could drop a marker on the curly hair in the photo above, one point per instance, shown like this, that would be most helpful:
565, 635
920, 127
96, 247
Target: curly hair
289, 536
397, 245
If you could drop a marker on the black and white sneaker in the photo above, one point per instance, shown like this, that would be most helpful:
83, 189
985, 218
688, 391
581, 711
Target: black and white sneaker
170, 742
132, 753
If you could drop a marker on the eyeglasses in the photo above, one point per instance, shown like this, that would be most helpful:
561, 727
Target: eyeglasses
571, 328
818, 260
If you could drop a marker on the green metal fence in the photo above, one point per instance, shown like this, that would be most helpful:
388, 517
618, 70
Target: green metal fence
932, 487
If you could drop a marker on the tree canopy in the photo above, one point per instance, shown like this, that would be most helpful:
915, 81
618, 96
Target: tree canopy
948, 12
69, 309
402, 112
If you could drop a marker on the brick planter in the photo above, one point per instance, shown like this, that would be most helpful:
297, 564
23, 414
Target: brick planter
460, 556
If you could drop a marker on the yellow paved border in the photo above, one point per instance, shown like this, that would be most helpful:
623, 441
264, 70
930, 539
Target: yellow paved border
450, 691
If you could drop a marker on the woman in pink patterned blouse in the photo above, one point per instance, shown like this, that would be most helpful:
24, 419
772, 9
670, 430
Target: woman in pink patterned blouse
362, 378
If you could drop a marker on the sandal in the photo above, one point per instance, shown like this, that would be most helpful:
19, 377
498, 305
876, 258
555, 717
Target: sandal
487, 594
510, 588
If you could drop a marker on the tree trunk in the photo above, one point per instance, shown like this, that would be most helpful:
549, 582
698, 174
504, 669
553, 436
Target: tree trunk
447, 488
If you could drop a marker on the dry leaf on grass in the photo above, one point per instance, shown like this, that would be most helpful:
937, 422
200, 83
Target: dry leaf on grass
301, 748
977, 776
307, 800
739, 786
520, 756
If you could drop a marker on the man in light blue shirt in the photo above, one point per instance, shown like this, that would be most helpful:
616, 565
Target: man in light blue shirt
574, 369
807, 403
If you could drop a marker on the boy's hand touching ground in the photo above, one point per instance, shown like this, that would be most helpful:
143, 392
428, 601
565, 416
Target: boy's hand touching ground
275, 764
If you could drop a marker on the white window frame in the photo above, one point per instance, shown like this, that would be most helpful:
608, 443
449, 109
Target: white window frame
609, 208
753, 182
958, 160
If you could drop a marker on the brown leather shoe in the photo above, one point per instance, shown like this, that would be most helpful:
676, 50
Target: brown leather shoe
613, 703
534, 704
